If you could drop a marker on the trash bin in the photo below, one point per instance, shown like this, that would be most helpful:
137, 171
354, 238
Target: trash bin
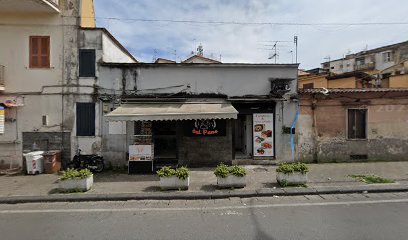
34, 162
52, 161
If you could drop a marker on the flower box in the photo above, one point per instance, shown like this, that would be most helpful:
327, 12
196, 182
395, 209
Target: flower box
295, 178
231, 181
174, 183
76, 184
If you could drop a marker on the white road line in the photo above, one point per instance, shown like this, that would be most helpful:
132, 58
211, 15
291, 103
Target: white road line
199, 208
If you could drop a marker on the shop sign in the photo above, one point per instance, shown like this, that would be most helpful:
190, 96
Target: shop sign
205, 127
1, 120
140, 152
263, 135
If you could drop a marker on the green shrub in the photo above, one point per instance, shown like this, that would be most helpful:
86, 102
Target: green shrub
71, 173
181, 172
293, 167
237, 171
223, 171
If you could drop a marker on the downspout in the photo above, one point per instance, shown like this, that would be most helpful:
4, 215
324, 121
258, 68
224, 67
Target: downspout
292, 140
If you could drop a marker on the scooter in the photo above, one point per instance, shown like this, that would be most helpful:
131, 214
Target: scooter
93, 162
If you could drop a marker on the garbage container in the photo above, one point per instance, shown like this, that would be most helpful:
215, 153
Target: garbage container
52, 161
34, 162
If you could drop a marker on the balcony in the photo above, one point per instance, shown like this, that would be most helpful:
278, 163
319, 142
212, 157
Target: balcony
2, 77
29, 6
363, 67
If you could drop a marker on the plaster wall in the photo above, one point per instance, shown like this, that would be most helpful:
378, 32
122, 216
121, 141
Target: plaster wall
387, 131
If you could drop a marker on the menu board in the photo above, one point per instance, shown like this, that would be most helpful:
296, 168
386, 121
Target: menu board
140, 153
263, 134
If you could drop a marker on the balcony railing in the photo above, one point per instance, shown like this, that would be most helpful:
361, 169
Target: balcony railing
2, 77
366, 66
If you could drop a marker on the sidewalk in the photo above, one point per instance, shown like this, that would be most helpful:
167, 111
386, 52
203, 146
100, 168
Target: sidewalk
323, 178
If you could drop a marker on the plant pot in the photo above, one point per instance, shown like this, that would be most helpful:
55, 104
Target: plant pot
76, 184
173, 182
231, 181
295, 178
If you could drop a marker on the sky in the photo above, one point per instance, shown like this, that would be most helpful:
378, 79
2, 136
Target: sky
252, 43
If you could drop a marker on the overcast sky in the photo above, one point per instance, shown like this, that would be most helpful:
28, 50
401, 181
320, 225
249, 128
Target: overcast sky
249, 43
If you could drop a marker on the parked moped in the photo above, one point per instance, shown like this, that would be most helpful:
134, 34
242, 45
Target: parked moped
93, 162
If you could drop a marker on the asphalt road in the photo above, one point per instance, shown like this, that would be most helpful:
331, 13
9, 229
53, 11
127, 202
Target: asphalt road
354, 216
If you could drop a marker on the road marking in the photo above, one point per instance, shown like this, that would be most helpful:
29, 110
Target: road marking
200, 208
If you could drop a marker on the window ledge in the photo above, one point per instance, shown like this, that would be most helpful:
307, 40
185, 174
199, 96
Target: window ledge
357, 139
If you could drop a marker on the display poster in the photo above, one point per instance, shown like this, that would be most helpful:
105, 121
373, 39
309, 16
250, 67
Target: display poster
263, 134
140, 152
1, 120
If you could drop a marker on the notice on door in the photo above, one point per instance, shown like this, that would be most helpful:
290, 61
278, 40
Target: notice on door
140, 153
263, 135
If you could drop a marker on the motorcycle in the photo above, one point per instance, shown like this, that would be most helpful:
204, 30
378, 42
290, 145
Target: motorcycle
92, 162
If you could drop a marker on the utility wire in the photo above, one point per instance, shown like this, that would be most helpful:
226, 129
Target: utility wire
254, 23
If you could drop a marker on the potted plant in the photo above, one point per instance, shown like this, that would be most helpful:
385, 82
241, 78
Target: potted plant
292, 174
233, 176
171, 178
77, 180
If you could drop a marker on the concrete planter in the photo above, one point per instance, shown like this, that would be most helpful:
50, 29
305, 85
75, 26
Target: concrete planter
76, 184
173, 182
231, 181
291, 178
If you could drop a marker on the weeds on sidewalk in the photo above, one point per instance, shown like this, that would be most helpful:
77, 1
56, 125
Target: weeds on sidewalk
371, 179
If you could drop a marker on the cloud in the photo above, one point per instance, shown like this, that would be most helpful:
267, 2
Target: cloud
247, 43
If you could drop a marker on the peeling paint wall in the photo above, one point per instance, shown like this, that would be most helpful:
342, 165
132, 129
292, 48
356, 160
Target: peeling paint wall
387, 128
231, 81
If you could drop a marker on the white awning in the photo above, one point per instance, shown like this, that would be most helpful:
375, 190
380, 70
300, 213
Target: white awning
172, 111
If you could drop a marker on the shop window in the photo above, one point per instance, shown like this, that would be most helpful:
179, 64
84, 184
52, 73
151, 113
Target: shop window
85, 119
357, 123
39, 52
87, 62
308, 86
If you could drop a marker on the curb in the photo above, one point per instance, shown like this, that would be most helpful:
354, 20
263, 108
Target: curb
264, 192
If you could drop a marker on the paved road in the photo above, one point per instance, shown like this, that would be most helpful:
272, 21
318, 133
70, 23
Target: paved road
354, 216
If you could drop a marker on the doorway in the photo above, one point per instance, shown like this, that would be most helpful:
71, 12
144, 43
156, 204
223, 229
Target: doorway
243, 136
165, 143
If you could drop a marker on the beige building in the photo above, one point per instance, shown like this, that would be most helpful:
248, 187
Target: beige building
46, 69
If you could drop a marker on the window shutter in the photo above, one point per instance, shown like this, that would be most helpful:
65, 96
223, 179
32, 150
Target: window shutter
87, 62
45, 52
34, 52
85, 119
39, 52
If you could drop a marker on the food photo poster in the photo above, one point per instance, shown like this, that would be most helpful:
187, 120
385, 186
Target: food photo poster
263, 135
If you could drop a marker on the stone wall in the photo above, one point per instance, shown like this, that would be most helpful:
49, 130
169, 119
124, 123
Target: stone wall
205, 151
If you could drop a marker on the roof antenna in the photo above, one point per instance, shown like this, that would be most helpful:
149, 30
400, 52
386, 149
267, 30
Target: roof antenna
200, 50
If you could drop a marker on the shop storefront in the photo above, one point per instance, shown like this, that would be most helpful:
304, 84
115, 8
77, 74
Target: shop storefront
185, 132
